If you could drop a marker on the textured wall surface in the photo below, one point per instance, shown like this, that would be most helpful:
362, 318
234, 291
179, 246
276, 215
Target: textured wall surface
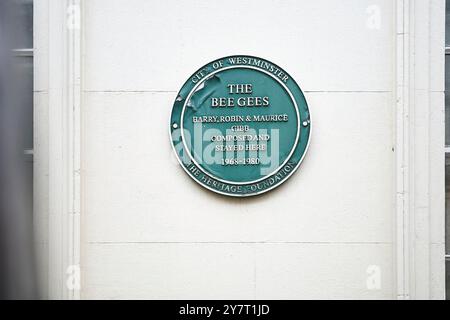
148, 231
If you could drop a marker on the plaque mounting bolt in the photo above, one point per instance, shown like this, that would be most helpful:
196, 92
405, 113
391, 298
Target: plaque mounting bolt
175, 126
306, 123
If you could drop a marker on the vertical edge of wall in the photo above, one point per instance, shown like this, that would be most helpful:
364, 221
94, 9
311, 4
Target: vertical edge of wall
401, 148
437, 150
63, 67
420, 248
40, 162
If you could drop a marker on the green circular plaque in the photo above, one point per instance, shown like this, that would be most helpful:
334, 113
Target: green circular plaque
240, 126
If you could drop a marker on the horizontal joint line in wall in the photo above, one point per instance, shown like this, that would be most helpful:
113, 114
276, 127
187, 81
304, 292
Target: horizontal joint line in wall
347, 91
174, 92
129, 91
237, 242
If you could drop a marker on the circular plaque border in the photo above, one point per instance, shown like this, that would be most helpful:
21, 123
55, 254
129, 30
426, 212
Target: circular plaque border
296, 112
293, 160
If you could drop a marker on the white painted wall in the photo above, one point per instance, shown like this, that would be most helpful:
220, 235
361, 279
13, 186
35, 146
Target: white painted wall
148, 231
